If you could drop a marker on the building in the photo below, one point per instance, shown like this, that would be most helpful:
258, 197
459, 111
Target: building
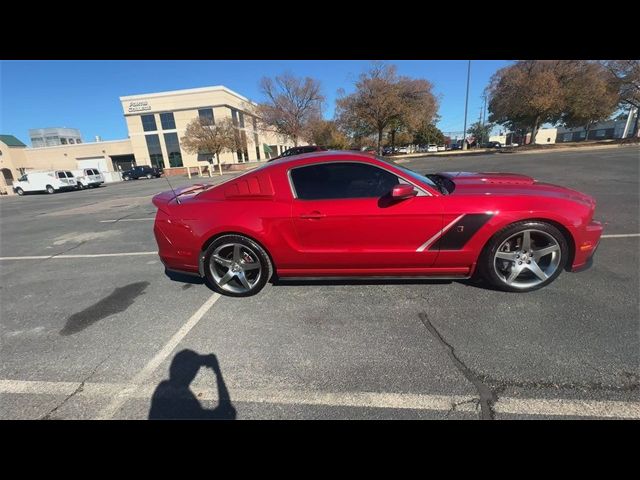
599, 131
544, 136
157, 121
51, 137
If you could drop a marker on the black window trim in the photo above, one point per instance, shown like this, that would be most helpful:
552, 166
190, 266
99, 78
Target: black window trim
295, 194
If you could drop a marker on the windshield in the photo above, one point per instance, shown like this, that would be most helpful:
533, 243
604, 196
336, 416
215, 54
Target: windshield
412, 174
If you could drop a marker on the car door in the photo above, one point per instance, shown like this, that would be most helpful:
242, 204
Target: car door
345, 219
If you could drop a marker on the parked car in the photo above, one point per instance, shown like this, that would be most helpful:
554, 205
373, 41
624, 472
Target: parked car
402, 150
387, 151
441, 148
48, 181
141, 171
432, 148
492, 145
299, 151
345, 214
369, 150
456, 146
88, 177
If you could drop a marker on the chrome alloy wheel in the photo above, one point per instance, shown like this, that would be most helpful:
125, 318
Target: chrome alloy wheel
235, 267
527, 258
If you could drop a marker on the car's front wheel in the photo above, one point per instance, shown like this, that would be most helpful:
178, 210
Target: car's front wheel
126, 178
50, 189
149, 176
524, 256
237, 266
19, 191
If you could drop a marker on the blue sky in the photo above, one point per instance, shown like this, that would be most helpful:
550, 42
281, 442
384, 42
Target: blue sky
84, 94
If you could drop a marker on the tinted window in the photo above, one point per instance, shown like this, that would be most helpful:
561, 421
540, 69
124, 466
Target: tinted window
61, 175
155, 151
167, 121
149, 123
206, 116
69, 174
342, 180
173, 149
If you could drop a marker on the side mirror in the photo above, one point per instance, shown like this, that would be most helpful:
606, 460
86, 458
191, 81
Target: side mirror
402, 192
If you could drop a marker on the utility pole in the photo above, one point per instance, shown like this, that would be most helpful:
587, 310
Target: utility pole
466, 104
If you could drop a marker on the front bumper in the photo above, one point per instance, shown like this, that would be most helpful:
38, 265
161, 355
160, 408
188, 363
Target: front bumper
587, 243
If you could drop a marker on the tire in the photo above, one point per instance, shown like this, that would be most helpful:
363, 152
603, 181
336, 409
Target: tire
19, 191
250, 254
80, 186
50, 189
126, 178
507, 264
149, 176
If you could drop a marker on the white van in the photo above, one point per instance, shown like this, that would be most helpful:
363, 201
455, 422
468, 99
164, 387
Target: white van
49, 182
88, 177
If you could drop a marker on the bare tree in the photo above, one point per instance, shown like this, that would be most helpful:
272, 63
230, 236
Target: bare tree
384, 101
625, 75
204, 137
291, 103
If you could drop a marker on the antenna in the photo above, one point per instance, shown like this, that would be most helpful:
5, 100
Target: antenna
174, 192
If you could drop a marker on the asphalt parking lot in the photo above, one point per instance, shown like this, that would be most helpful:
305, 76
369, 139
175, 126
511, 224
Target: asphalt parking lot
91, 327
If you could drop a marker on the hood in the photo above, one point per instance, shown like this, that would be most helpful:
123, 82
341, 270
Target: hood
493, 183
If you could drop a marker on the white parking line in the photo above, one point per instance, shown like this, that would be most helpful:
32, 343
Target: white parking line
122, 396
128, 220
622, 235
88, 255
404, 401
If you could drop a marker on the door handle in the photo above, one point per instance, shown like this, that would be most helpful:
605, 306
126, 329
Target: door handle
315, 215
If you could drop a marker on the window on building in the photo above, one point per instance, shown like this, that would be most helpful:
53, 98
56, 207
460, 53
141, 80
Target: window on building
78, 141
149, 123
206, 116
173, 149
63, 141
234, 116
155, 151
342, 180
72, 141
167, 121
582, 134
600, 133
241, 117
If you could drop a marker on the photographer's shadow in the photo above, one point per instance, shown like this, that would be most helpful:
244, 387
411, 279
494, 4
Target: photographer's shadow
174, 400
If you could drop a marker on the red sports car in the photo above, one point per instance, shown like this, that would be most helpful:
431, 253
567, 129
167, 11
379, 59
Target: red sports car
345, 214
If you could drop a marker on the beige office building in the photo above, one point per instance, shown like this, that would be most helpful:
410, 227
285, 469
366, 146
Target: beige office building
157, 122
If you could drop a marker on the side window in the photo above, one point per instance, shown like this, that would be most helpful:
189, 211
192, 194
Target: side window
23, 178
342, 180
61, 175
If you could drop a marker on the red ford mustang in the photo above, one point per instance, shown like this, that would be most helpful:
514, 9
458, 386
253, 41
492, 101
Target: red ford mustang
344, 214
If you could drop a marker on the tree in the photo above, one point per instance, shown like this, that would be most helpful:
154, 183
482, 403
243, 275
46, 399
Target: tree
526, 93
589, 97
327, 133
427, 134
480, 132
384, 101
625, 75
204, 137
291, 104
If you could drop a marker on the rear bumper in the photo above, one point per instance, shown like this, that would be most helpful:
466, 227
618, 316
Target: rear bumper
586, 245
173, 257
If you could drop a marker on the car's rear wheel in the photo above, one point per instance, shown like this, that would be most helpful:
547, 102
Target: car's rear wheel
237, 266
524, 256
149, 176
50, 189
80, 186
19, 191
126, 178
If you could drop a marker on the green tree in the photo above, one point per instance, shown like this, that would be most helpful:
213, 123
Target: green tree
480, 132
427, 134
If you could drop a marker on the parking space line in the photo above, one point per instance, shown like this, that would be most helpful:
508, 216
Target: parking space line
87, 255
128, 220
621, 235
121, 397
401, 401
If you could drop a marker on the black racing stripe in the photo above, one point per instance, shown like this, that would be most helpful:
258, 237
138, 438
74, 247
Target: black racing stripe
453, 239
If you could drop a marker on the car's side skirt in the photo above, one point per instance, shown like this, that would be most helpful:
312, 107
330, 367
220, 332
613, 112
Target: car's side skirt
376, 277
456, 272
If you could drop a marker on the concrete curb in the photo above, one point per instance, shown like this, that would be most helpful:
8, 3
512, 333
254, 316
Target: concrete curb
525, 152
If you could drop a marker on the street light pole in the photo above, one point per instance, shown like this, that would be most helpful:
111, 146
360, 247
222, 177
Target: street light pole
466, 104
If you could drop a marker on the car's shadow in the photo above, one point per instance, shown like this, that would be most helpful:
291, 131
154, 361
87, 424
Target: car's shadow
278, 282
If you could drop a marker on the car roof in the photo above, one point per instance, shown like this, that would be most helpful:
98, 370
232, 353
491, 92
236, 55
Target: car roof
322, 156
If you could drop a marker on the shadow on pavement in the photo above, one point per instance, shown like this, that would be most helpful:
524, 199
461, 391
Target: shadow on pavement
174, 400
